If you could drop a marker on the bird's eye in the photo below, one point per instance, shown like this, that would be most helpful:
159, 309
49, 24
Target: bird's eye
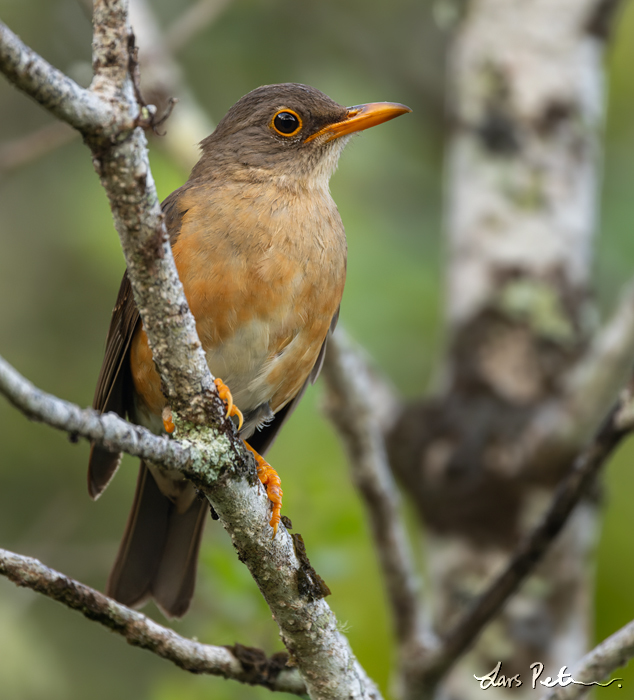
286, 122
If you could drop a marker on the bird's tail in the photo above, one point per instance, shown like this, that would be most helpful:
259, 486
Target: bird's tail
158, 554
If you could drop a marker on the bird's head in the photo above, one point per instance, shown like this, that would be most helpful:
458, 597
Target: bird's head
289, 132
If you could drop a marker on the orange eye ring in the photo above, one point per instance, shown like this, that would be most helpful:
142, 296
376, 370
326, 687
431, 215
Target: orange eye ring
286, 122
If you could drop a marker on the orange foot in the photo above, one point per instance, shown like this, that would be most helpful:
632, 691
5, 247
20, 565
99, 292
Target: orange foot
225, 395
269, 477
168, 422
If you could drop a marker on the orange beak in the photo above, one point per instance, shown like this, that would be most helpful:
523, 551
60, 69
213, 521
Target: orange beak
361, 117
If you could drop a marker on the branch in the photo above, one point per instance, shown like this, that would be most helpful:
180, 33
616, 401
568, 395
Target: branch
107, 428
25, 149
124, 171
307, 625
594, 381
597, 665
618, 423
106, 114
353, 403
55, 91
162, 79
192, 21
140, 631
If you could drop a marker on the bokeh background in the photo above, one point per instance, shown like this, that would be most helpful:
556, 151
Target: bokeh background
60, 266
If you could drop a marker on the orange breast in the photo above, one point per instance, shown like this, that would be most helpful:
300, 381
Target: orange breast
263, 274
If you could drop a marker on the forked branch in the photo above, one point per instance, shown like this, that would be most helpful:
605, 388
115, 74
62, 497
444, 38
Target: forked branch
108, 114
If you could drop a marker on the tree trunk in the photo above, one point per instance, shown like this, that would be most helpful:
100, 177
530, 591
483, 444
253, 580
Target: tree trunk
523, 169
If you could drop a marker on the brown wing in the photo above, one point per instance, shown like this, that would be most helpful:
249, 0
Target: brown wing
114, 389
113, 386
262, 439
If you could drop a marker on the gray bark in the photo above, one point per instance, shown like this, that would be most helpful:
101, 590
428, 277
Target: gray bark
483, 458
139, 630
109, 117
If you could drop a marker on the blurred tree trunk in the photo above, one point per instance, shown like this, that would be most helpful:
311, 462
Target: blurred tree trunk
523, 170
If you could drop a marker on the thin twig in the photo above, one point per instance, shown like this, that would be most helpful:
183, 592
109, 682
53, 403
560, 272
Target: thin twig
139, 630
615, 427
192, 21
106, 428
25, 149
602, 370
597, 665
352, 408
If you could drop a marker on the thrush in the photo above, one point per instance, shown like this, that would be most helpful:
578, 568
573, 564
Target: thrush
261, 252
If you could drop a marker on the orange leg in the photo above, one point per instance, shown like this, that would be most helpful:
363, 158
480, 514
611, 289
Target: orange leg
225, 395
269, 477
168, 422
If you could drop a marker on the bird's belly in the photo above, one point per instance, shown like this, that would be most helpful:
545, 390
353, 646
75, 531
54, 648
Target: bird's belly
267, 360
239, 361
264, 359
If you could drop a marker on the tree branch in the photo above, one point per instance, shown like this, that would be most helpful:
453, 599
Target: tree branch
597, 665
308, 627
354, 401
55, 91
25, 149
106, 114
107, 428
618, 424
140, 631
124, 171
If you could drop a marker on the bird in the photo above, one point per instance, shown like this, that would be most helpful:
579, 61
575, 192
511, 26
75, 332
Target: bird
261, 252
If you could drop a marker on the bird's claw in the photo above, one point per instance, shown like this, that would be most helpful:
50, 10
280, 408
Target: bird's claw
270, 478
168, 421
225, 395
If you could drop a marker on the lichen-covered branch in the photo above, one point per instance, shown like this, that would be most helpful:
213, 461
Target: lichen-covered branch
226, 476
307, 625
50, 87
107, 115
107, 428
124, 171
139, 630
309, 628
